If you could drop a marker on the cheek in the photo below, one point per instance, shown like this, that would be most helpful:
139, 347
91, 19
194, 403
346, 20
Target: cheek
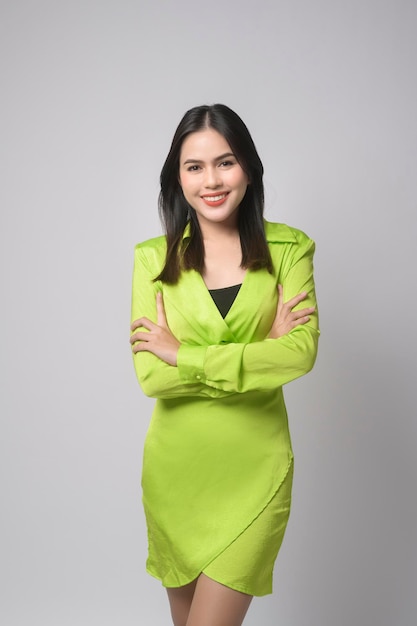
240, 179
242, 182
185, 183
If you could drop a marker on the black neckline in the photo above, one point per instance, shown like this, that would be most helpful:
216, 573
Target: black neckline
224, 298
225, 288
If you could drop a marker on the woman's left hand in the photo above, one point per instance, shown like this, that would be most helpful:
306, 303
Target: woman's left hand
158, 339
286, 319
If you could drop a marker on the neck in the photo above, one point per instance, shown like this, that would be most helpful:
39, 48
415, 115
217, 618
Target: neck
219, 231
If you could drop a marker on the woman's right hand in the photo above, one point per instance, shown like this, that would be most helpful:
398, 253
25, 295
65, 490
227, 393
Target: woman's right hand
158, 338
286, 319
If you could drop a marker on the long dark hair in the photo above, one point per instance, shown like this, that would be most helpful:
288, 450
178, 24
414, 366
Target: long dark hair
176, 213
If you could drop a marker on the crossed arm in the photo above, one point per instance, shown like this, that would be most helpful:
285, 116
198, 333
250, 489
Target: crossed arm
167, 368
159, 340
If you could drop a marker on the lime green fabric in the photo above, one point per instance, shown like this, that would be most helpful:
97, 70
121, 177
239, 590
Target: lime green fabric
247, 564
218, 445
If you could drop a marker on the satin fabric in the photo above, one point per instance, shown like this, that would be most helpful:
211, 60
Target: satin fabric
218, 445
247, 564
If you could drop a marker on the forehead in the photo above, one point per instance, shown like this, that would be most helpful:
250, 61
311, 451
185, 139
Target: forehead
204, 145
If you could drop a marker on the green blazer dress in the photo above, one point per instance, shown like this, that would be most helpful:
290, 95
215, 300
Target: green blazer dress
218, 446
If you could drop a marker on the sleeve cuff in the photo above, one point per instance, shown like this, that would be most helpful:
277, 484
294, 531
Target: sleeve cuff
190, 363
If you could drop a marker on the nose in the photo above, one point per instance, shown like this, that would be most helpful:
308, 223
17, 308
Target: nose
212, 178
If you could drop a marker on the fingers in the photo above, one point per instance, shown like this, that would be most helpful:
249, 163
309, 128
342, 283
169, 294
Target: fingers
139, 346
137, 339
294, 301
300, 317
155, 338
160, 310
142, 322
294, 318
161, 317
280, 299
286, 318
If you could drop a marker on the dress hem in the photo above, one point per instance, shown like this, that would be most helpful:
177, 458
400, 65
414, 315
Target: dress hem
242, 589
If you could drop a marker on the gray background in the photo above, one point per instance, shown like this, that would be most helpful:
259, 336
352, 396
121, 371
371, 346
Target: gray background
91, 94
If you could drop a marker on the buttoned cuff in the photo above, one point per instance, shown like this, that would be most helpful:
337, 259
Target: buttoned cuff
190, 363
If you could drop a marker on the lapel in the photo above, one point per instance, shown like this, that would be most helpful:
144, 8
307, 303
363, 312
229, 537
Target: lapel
194, 318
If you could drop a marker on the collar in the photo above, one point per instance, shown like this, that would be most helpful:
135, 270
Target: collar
279, 233
274, 232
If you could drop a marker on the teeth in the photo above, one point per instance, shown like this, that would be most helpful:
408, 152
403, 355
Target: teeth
215, 198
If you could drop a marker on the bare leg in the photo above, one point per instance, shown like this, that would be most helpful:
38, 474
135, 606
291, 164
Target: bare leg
180, 599
214, 604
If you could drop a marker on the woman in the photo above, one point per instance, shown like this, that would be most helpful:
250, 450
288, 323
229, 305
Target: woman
223, 314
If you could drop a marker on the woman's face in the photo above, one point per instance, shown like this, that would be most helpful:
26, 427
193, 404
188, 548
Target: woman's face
211, 178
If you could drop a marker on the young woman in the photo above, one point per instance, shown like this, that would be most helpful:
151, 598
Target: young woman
224, 314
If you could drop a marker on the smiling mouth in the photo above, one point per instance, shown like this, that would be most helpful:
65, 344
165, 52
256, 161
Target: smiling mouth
215, 200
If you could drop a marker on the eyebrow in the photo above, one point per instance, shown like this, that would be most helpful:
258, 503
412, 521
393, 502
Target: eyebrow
219, 158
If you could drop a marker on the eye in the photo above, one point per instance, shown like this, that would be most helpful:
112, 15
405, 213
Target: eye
193, 168
226, 163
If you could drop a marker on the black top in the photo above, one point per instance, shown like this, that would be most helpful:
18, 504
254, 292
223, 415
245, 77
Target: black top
224, 298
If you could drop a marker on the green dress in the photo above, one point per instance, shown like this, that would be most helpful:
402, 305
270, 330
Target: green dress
217, 459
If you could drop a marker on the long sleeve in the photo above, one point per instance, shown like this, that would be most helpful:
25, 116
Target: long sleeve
210, 367
268, 364
157, 378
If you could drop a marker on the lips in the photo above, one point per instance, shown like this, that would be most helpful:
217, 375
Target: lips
215, 199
